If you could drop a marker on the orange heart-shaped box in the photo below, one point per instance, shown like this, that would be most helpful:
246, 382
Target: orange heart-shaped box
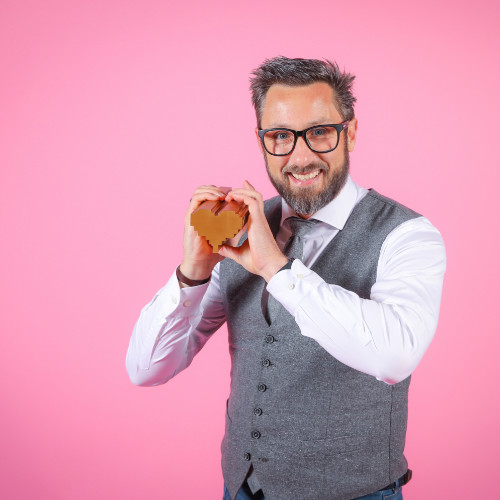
218, 221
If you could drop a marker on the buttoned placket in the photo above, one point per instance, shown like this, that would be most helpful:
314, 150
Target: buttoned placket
257, 446
293, 248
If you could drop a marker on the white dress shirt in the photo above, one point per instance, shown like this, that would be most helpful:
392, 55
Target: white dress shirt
384, 336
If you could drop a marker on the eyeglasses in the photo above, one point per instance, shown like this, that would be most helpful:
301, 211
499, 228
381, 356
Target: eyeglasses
320, 138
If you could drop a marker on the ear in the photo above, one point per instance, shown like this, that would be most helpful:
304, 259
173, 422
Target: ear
352, 131
259, 142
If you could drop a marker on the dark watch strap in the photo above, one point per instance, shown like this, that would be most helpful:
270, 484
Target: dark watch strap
187, 281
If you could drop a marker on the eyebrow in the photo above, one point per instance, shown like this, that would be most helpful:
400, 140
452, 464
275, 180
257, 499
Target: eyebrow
311, 124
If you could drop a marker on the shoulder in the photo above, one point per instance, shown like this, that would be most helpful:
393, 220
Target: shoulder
378, 199
414, 247
418, 230
412, 226
411, 231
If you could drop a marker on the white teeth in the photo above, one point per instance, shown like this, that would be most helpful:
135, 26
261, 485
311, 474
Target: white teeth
306, 177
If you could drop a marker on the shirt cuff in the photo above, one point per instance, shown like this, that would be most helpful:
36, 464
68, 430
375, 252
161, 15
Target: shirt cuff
172, 304
181, 301
289, 287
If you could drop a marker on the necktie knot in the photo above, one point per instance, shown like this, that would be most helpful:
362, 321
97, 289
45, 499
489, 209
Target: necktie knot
299, 228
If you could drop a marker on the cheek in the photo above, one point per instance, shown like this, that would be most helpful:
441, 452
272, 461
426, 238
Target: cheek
276, 164
336, 159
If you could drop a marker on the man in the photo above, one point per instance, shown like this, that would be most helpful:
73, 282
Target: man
331, 300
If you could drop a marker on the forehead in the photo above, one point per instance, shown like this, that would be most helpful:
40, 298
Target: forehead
299, 107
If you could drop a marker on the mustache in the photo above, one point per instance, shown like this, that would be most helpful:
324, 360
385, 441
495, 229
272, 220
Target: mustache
311, 167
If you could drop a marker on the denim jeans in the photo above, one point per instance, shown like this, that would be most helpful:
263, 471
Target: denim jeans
245, 494
390, 494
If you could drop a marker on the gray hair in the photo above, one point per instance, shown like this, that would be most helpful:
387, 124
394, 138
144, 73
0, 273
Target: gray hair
297, 72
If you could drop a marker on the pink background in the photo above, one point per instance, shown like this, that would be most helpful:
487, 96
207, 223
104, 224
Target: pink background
96, 173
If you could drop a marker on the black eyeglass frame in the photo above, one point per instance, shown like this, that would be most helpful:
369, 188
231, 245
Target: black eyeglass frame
339, 127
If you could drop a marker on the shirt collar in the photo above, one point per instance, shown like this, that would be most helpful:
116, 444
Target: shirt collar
338, 210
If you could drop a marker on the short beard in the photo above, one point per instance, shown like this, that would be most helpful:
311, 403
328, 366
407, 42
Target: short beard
308, 202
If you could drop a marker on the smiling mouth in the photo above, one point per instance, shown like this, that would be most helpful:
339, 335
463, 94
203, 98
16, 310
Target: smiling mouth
306, 177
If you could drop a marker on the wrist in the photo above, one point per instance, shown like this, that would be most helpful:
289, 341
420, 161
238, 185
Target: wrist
192, 277
274, 267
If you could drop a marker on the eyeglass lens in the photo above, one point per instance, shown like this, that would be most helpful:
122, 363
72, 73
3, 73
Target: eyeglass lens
320, 139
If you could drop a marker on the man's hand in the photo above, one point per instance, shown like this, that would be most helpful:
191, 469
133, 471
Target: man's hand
259, 254
199, 259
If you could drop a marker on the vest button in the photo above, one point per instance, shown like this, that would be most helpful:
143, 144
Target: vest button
269, 339
262, 387
266, 362
247, 456
257, 411
255, 434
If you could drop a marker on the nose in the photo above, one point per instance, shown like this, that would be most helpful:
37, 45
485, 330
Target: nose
301, 154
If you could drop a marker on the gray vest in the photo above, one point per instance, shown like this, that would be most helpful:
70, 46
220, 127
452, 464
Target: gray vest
312, 427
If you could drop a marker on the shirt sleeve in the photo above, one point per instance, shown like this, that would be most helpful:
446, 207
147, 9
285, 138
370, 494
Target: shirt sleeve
386, 335
172, 329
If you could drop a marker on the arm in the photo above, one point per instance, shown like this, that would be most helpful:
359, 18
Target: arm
172, 329
179, 320
387, 335
384, 336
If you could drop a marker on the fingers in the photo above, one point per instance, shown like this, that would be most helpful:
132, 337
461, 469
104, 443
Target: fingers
204, 193
247, 185
249, 192
248, 195
252, 199
211, 191
234, 253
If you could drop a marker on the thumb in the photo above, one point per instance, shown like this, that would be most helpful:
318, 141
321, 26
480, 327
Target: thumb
233, 253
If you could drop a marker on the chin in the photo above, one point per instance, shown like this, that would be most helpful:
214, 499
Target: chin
307, 200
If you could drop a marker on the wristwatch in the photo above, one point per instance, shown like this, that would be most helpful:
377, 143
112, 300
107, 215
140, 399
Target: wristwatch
189, 282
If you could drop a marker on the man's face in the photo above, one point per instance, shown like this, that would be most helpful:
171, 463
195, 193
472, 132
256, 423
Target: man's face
306, 180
